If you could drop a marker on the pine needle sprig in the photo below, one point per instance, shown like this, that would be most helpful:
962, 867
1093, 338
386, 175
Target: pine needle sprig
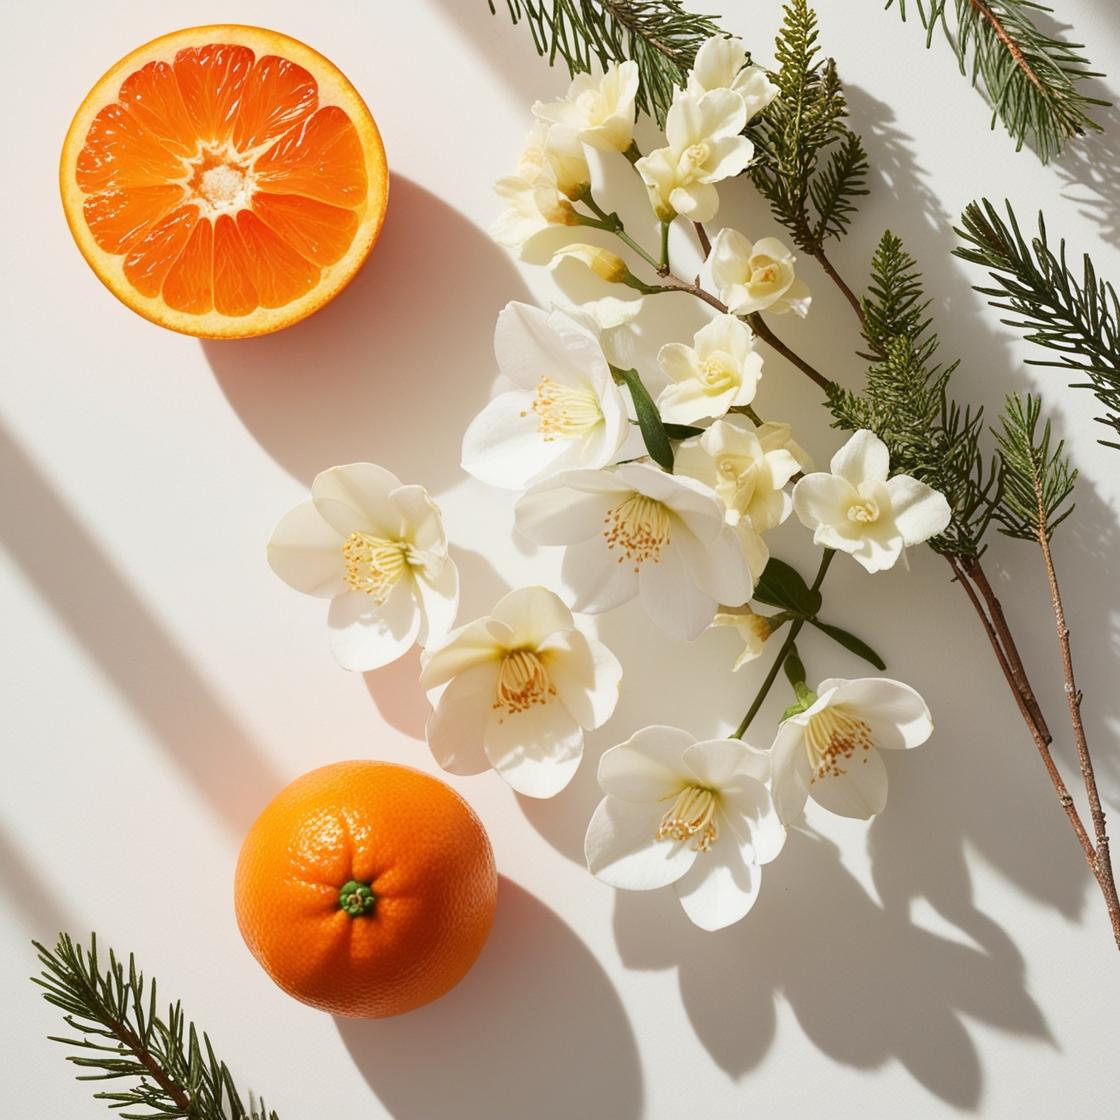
809, 165
1078, 317
659, 35
906, 402
1031, 79
120, 1035
1037, 477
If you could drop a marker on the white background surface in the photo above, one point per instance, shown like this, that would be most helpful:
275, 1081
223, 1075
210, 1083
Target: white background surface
160, 685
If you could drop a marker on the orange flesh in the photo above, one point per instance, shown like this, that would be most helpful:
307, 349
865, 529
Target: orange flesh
221, 181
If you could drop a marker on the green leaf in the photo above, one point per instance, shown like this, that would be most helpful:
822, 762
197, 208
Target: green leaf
782, 586
682, 431
649, 419
850, 642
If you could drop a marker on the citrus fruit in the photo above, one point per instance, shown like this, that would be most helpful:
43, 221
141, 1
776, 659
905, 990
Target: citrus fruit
224, 181
366, 889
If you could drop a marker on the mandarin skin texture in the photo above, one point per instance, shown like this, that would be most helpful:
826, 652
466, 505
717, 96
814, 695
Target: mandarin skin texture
366, 889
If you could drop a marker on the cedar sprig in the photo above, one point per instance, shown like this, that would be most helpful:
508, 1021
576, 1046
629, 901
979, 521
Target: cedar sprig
120, 1036
906, 402
659, 35
1031, 79
1076, 316
810, 166
1037, 476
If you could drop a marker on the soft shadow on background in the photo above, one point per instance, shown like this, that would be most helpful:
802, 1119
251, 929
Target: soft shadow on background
534, 1030
411, 339
78, 580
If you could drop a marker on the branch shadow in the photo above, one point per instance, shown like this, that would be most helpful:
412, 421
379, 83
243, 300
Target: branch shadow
23, 886
534, 1030
865, 984
349, 383
142, 660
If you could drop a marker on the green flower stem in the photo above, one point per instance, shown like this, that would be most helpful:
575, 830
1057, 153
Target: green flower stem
783, 653
663, 260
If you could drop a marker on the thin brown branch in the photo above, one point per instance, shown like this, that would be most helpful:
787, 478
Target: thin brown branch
961, 567
985, 13
1101, 861
838, 280
702, 237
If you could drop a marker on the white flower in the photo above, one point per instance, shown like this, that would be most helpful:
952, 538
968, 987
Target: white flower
718, 371
532, 206
748, 468
599, 110
697, 816
756, 277
522, 685
830, 751
376, 548
704, 146
613, 322
859, 510
565, 412
636, 530
721, 63
753, 628
556, 151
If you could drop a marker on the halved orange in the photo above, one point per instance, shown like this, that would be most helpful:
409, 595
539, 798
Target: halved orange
224, 181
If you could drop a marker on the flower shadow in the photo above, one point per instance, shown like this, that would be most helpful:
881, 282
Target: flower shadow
865, 984
535, 1029
351, 382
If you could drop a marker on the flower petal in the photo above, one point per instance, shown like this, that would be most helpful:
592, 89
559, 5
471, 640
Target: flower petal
306, 553
586, 675
364, 488
596, 578
750, 812
672, 598
568, 508
648, 767
790, 771
457, 726
823, 499
856, 788
864, 458
365, 636
537, 751
532, 614
678, 361
719, 889
897, 714
439, 602
720, 567
503, 445
920, 512
713, 761
470, 645
623, 851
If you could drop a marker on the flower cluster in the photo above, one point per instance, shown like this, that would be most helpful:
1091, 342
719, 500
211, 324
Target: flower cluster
660, 480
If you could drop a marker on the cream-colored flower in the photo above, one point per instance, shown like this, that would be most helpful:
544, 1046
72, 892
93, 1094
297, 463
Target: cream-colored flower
376, 548
696, 816
704, 145
522, 685
605, 264
756, 277
556, 150
753, 628
532, 206
859, 510
830, 751
722, 63
720, 370
748, 468
599, 110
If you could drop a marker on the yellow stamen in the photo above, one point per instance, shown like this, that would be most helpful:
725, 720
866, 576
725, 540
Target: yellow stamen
565, 413
864, 512
522, 682
833, 736
373, 564
717, 372
693, 815
639, 528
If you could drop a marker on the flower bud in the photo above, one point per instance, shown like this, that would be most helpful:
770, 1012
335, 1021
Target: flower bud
605, 264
